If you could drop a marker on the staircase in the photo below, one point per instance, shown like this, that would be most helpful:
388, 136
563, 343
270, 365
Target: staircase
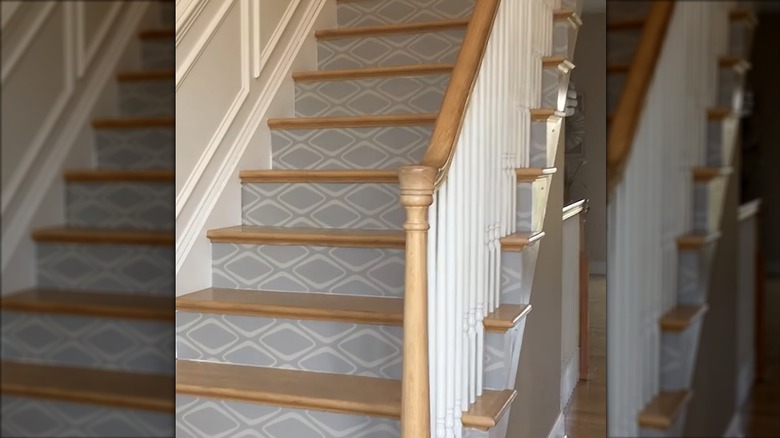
87, 352
666, 384
302, 332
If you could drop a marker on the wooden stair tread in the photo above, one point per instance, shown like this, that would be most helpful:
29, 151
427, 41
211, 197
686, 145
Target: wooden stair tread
340, 393
160, 33
543, 114
718, 113
103, 236
681, 317
134, 122
533, 173
120, 175
145, 75
373, 72
323, 307
104, 305
320, 176
518, 241
628, 23
89, 385
703, 174
663, 409
256, 234
736, 62
618, 68
392, 29
352, 121
566, 14
555, 61
691, 242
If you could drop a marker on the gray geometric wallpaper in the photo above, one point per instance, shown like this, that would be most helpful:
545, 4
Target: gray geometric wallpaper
157, 54
147, 98
378, 12
122, 205
147, 148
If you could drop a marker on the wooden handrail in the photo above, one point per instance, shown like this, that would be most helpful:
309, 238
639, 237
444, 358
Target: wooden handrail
640, 74
464, 76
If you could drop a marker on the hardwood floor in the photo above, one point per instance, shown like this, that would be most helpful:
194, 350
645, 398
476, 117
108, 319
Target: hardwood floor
586, 414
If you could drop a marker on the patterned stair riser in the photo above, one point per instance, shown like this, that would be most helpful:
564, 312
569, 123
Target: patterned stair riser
517, 269
158, 53
104, 343
565, 37
532, 204
116, 268
708, 199
678, 357
389, 50
615, 82
693, 273
346, 271
147, 98
147, 148
350, 206
544, 142
146, 206
30, 417
353, 148
392, 95
622, 44
730, 85
721, 138
379, 12
555, 85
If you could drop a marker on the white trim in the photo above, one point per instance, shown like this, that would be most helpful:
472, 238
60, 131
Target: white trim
749, 209
261, 58
598, 268
219, 133
190, 11
77, 117
573, 209
559, 427
734, 430
85, 52
192, 229
31, 31
189, 60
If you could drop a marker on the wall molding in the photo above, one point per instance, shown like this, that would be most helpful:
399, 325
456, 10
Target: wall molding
261, 57
197, 50
216, 184
9, 10
24, 42
85, 52
190, 10
74, 121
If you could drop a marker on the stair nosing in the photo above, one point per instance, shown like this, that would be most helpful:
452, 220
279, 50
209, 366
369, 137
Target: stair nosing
100, 236
346, 238
391, 29
567, 14
656, 422
706, 174
518, 241
120, 175
530, 174
373, 72
692, 242
670, 322
544, 114
556, 62
304, 123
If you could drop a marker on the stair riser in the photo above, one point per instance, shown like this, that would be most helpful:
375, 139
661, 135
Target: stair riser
24, 416
148, 148
532, 204
564, 38
517, 273
501, 357
675, 430
622, 44
104, 343
115, 268
740, 39
395, 95
555, 84
721, 140
351, 206
678, 357
347, 271
730, 85
146, 206
352, 148
694, 269
378, 12
147, 98
158, 53
390, 50
544, 142
708, 199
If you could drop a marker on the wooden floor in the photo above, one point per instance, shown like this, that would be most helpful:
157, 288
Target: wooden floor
586, 414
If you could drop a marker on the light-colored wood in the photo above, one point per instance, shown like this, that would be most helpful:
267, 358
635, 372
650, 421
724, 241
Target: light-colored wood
564, 14
417, 187
530, 174
743, 15
352, 121
392, 29
319, 176
681, 317
119, 175
134, 122
102, 236
618, 68
255, 234
629, 107
557, 62
662, 410
146, 75
102, 305
518, 241
692, 242
505, 317
152, 34
704, 174
629, 23
373, 72
544, 114
718, 113
89, 385
734, 62
453, 108
488, 409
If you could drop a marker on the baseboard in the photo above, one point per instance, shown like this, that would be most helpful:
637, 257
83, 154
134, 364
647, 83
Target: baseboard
735, 427
598, 268
558, 430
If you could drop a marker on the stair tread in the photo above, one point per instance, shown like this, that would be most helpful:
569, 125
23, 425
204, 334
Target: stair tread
133, 122
701, 174
89, 385
565, 14
392, 29
258, 234
736, 62
120, 175
663, 409
83, 303
352, 121
339, 393
327, 307
533, 173
555, 61
542, 114
681, 317
104, 236
373, 72
145, 75
321, 176
628, 23
695, 241
517, 241
163, 32
718, 113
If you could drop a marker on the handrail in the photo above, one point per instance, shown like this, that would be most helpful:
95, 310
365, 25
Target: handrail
640, 74
464, 75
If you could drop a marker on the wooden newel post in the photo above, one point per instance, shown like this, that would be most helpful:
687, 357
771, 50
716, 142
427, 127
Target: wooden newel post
417, 185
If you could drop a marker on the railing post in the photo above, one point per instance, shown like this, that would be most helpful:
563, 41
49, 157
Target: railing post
417, 186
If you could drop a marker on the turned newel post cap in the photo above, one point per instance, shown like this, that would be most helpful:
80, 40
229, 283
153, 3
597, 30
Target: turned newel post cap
417, 184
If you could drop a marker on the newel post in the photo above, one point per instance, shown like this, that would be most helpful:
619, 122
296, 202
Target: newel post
417, 186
